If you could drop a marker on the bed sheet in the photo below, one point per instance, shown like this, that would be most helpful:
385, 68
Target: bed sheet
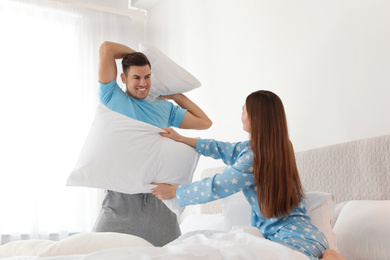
239, 243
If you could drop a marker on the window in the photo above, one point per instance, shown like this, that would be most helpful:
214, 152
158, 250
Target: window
48, 64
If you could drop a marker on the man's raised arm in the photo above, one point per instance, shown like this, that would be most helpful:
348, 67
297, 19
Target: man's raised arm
108, 53
194, 118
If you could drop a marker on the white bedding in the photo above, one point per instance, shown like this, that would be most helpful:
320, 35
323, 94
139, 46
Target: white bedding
239, 243
360, 221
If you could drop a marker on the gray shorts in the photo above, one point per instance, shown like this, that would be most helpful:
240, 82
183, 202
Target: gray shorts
142, 215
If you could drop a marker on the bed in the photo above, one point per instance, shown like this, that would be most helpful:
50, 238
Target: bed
348, 188
348, 198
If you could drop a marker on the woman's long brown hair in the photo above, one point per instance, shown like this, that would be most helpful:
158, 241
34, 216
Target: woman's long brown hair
279, 188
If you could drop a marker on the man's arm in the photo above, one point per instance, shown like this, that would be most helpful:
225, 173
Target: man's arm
194, 118
108, 52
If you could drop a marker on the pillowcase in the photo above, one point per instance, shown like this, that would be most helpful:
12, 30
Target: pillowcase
126, 155
195, 222
362, 229
237, 210
84, 243
320, 206
167, 77
337, 211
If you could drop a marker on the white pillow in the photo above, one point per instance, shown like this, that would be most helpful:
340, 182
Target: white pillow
83, 243
337, 211
320, 206
237, 210
363, 229
167, 77
126, 155
195, 222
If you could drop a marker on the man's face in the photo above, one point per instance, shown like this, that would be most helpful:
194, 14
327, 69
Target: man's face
137, 81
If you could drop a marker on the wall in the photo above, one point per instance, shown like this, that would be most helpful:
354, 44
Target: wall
329, 61
119, 4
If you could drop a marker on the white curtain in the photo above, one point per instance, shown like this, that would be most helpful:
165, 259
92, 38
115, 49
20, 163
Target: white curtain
48, 68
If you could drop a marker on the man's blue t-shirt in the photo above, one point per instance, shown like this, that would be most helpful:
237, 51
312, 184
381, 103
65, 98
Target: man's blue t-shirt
158, 113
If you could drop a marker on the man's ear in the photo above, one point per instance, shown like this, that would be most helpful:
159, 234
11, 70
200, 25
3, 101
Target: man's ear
123, 77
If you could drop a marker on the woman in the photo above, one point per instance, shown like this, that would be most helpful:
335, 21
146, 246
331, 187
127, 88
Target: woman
264, 169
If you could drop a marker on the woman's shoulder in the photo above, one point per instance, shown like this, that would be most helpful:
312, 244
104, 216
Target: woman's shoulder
246, 150
245, 159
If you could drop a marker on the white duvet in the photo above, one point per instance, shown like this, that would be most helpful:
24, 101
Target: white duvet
239, 243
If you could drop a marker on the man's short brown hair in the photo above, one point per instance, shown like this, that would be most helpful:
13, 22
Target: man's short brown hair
134, 59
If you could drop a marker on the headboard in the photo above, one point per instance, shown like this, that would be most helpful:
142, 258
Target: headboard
356, 170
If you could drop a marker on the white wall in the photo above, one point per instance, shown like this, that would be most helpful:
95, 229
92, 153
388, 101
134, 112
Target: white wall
118, 4
329, 61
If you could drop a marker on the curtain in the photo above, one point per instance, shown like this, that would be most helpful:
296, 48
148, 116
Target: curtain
48, 66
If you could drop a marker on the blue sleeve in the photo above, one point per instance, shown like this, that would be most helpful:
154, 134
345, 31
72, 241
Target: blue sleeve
233, 179
176, 116
228, 152
106, 91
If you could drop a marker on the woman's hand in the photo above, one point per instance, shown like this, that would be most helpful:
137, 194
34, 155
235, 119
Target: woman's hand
171, 134
164, 191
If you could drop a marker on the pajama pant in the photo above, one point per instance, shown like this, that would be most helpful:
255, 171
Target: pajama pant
141, 215
302, 237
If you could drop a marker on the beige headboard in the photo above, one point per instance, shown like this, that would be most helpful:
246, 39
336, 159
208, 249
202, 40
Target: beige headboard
356, 170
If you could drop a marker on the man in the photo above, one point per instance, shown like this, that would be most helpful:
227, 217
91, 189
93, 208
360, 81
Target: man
142, 215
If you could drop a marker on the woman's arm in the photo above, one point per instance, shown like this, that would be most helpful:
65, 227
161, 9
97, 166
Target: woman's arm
232, 180
228, 152
172, 134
